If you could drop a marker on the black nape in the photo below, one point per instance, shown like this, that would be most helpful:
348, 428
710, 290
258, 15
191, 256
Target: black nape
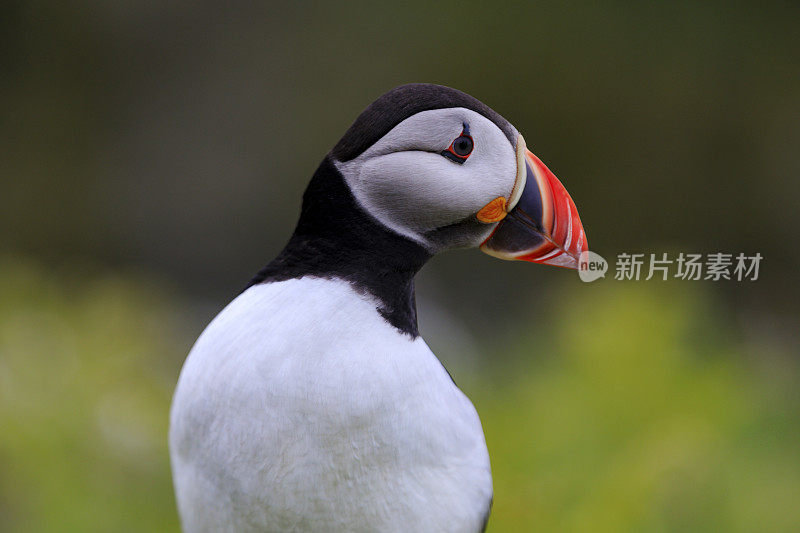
336, 238
396, 105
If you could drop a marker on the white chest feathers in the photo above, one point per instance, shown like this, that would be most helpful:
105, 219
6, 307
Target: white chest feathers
301, 409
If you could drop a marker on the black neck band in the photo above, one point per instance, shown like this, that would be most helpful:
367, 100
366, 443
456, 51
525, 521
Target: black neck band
336, 238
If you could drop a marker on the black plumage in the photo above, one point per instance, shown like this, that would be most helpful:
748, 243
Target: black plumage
336, 238
393, 107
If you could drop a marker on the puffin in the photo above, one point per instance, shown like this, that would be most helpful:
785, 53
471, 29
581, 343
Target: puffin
310, 403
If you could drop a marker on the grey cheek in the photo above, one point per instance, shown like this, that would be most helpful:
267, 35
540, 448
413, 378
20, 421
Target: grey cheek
466, 233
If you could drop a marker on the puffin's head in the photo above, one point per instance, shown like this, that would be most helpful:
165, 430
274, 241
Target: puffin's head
441, 168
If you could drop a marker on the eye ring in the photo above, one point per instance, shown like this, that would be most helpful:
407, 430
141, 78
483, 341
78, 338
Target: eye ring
461, 147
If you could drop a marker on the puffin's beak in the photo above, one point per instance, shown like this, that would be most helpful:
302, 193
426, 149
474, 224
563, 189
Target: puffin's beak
541, 223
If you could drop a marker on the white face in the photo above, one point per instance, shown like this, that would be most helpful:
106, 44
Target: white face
404, 181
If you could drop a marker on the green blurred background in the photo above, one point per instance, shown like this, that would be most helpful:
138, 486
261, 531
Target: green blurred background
152, 158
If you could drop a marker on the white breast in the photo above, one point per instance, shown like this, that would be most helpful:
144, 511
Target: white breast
301, 409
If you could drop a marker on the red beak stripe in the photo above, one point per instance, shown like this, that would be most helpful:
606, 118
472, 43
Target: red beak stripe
565, 238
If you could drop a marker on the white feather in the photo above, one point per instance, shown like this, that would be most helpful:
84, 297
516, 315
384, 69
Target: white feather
301, 409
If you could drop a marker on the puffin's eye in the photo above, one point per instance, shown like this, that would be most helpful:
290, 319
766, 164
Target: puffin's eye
463, 146
460, 149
